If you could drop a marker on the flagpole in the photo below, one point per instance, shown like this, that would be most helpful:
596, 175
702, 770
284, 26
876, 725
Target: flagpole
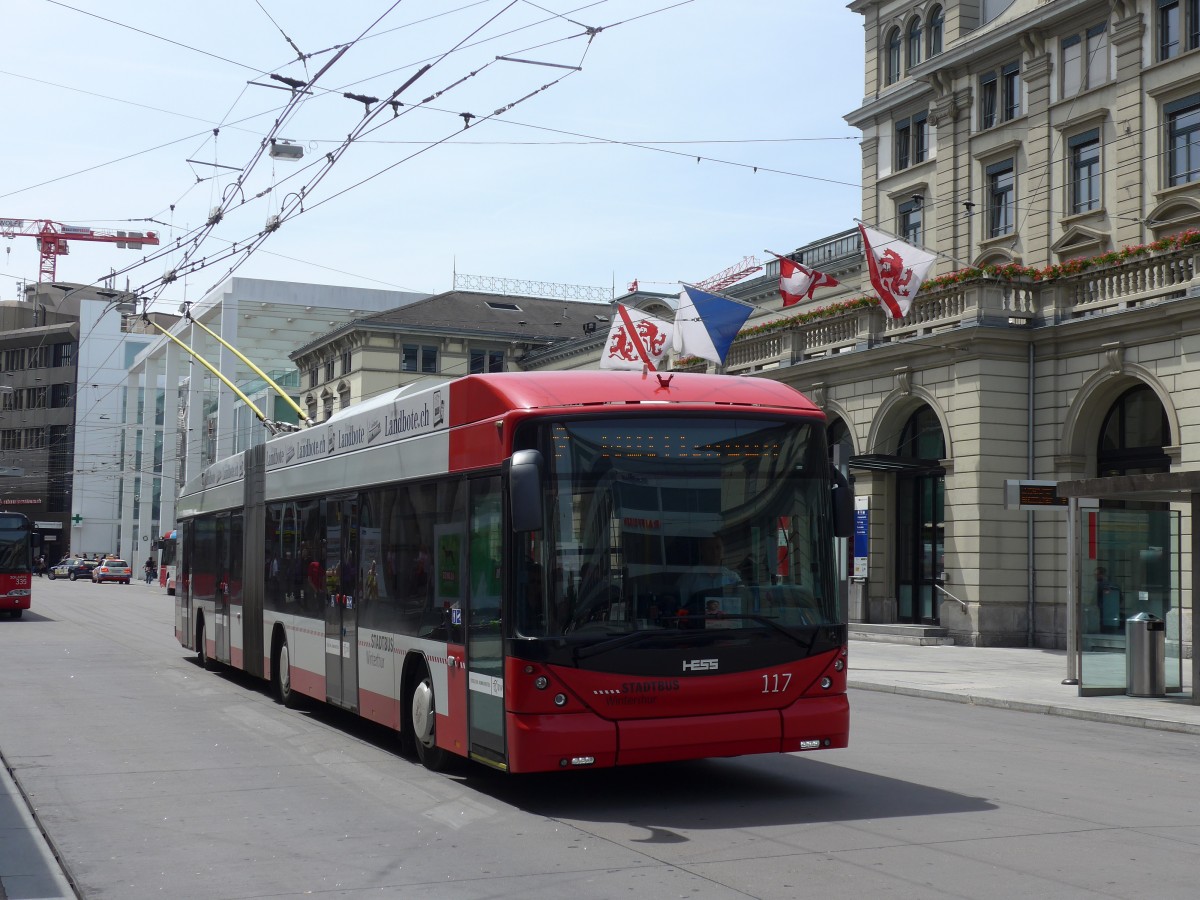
722, 296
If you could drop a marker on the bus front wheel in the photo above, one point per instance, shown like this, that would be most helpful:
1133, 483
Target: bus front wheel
422, 722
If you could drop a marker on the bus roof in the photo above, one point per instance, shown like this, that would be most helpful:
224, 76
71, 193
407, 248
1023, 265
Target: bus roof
479, 397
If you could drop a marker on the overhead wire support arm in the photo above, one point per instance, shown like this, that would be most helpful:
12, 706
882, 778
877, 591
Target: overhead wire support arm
200, 162
304, 417
534, 62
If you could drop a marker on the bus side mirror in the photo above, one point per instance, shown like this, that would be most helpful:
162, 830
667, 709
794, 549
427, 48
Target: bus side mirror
843, 504
525, 490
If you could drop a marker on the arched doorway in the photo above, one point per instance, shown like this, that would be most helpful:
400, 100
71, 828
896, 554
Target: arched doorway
920, 529
1129, 543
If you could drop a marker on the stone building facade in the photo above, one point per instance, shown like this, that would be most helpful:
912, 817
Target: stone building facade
1049, 153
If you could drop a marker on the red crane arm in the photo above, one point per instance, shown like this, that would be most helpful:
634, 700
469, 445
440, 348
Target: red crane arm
52, 238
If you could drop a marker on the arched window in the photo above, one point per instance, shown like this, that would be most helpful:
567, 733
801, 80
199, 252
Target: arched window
914, 42
1133, 436
934, 31
922, 436
893, 56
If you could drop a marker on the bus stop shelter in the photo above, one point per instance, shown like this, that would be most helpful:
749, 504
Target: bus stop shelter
1166, 487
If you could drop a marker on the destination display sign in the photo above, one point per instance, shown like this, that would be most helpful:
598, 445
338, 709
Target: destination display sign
392, 417
1032, 495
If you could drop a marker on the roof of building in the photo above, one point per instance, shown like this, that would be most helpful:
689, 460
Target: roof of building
507, 316
474, 311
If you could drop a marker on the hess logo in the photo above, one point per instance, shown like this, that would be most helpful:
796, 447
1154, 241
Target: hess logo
699, 665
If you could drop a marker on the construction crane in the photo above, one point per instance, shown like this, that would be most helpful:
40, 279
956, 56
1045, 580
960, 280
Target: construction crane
729, 276
52, 238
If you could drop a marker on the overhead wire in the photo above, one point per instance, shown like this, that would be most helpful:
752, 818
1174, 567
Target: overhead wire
157, 37
289, 109
297, 205
207, 134
332, 157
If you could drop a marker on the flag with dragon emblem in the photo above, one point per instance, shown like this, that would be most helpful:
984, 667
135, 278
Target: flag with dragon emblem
635, 339
897, 269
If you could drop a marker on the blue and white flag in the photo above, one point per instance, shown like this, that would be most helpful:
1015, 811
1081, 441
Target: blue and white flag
706, 324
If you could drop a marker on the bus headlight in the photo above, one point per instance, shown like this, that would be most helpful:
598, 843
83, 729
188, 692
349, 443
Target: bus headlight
560, 699
541, 682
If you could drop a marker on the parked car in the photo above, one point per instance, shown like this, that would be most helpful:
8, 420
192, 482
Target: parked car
112, 570
72, 568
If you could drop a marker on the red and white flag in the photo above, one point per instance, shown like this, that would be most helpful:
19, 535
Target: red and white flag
797, 282
635, 339
897, 269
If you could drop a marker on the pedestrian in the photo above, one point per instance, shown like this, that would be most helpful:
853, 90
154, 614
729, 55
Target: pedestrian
149, 569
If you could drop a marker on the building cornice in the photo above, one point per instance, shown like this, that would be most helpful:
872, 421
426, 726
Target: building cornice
975, 45
908, 91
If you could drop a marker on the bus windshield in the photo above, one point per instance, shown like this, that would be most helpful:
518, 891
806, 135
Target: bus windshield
679, 523
166, 547
15, 556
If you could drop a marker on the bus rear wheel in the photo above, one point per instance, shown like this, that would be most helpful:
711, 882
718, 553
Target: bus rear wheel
202, 656
281, 676
422, 718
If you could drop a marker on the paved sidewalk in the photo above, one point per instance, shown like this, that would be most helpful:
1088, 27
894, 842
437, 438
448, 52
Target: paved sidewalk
1011, 678
1028, 680
28, 867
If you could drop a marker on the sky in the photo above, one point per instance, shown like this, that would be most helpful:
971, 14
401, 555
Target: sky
656, 140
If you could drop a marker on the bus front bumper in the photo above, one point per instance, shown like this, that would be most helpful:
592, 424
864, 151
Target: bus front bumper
584, 740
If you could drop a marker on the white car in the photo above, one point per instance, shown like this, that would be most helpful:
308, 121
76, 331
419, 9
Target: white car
112, 570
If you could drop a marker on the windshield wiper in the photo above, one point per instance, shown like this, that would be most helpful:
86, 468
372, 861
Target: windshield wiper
623, 640
637, 637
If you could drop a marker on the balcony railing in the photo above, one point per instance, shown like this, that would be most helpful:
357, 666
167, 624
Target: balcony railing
1134, 283
1137, 282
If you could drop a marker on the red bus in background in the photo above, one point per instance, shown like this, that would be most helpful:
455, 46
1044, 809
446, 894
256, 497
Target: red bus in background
538, 571
168, 549
18, 541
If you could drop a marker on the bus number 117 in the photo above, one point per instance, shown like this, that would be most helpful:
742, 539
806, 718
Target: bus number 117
772, 684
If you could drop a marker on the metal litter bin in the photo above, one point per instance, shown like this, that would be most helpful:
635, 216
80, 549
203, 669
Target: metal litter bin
1145, 656
859, 611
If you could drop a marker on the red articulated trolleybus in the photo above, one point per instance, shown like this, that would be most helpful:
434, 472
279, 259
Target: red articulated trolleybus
17, 544
538, 571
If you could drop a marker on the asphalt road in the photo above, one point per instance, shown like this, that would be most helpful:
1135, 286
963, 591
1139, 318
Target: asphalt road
157, 779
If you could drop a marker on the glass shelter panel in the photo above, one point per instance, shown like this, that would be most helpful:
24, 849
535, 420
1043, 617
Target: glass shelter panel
1130, 564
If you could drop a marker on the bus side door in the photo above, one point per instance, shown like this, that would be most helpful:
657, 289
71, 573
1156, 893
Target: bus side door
341, 603
221, 589
485, 647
